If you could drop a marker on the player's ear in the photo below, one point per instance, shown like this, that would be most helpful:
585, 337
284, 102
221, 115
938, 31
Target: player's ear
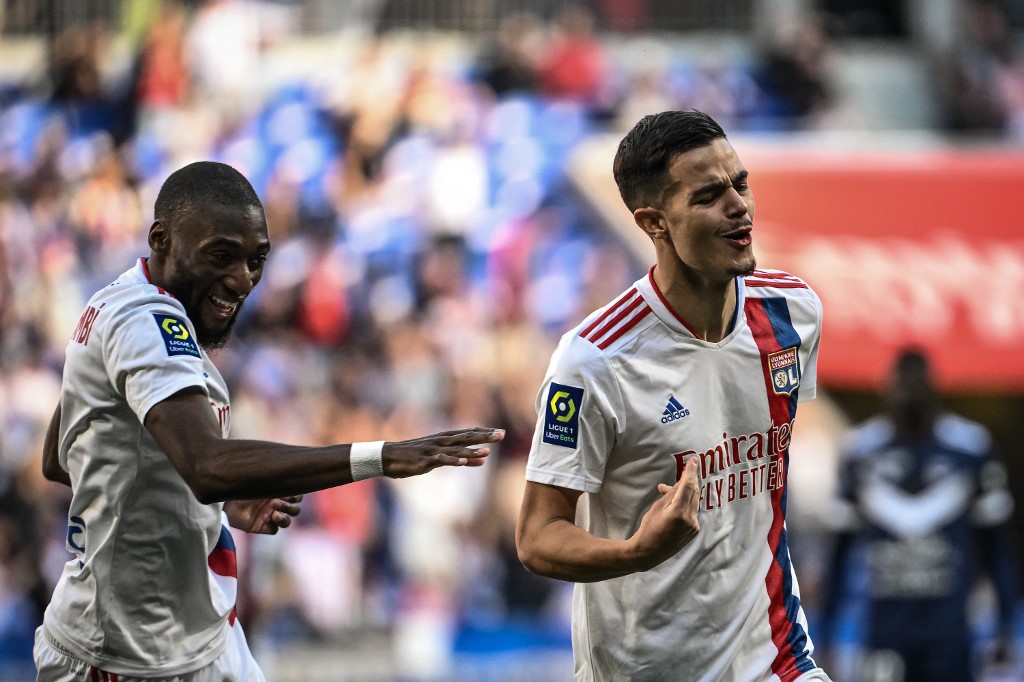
651, 221
159, 237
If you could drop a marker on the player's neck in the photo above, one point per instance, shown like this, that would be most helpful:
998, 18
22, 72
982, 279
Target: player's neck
155, 270
707, 307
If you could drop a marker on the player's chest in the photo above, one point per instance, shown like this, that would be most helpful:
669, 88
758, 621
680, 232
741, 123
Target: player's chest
695, 394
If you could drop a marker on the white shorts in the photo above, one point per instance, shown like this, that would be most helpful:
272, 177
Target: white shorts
236, 664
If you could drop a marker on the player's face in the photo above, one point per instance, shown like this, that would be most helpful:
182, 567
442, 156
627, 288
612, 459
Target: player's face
709, 212
911, 398
217, 257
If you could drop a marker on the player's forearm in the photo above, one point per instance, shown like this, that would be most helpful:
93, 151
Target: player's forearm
1000, 556
250, 469
218, 469
563, 550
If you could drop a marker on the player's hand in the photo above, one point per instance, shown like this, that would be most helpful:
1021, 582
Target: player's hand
262, 516
1002, 650
450, 448
671, 522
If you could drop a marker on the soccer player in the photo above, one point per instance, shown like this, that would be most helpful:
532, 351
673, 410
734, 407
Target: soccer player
921, 489
657, 476
140, 435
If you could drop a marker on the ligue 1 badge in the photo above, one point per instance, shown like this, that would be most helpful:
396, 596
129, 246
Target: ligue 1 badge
176, 336
785, 371
562, 415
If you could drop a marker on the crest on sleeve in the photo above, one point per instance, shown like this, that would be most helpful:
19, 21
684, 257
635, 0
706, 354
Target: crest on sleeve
177, 338
562, 415
785, 371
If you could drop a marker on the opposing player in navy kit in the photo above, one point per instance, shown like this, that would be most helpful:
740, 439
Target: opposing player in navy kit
921, 489
657, 476
140, 435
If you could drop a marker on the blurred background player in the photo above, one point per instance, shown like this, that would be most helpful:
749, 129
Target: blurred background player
921, 489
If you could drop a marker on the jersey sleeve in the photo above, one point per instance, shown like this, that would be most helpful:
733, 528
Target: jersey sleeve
994, 502
151, 353
578, 412
809, 351
844, 515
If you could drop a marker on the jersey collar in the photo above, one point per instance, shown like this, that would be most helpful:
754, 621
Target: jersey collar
142, 272
648, 288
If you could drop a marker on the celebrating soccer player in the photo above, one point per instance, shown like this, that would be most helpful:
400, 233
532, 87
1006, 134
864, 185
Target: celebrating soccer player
657, 476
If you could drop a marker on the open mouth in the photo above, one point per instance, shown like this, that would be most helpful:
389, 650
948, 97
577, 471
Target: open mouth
740, 236
222, 308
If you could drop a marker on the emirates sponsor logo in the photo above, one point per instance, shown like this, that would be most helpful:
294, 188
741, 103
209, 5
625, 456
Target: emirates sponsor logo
740, 467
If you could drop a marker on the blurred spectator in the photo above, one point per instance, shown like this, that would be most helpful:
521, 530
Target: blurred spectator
793, 73
981, 80
625, 15
725, 90
223, 50
920, 489
105, 213
74, 63
163, 79
575, 65
867, 18
509, 64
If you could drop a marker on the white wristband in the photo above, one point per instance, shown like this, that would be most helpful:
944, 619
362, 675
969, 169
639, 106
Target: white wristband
365, 460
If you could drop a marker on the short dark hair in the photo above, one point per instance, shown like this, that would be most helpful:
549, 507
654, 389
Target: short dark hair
645, 153
200, 184
912, 359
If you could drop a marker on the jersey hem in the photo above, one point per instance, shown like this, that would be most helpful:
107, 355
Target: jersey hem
561, 480
807, 393
65, 645
166, 393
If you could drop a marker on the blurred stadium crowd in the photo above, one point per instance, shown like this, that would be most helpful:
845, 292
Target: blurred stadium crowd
428, 252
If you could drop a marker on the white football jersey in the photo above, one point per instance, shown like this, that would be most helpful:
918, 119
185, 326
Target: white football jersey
630, 394
152, 580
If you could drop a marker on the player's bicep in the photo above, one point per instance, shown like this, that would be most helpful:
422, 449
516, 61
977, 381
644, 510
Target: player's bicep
544, 503
544, 509
184, 427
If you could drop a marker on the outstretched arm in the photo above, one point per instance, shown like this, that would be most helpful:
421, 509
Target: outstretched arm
550, 543
52, 469
218, 469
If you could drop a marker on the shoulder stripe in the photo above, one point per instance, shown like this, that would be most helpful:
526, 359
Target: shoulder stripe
629, 324
609, 311
778, 274
767, 278
610, 324
778, 283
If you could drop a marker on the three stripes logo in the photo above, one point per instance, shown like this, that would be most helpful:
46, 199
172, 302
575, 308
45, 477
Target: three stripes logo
673, 410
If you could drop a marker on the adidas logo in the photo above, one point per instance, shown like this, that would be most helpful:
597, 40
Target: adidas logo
673, 411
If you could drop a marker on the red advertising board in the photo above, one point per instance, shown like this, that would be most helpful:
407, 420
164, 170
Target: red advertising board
923, 248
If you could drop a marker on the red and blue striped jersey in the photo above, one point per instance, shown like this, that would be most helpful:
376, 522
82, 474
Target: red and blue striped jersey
629, 396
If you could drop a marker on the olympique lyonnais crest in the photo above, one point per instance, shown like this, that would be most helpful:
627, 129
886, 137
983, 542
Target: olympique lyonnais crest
784, 370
